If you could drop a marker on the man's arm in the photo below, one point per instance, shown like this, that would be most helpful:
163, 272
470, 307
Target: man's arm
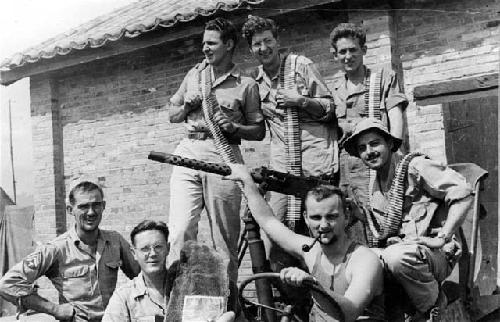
396, 121
183, 102
443, 183
366, 281
395, 102
18, 283
315, 99
129, 265
253, 127
279, 233
37, 303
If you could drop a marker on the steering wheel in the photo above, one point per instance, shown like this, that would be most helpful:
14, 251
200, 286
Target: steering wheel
286, 314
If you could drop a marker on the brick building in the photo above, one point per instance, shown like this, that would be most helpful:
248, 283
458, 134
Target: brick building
98, 93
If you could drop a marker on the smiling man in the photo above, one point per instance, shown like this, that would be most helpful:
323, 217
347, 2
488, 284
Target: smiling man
349, 272
416, 207
314, 136
238, 116
82, 263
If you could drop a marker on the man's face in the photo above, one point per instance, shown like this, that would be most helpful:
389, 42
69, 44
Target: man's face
349, 54
87, 209
374, 149
326, 217
150, 251
214, 49
265, 47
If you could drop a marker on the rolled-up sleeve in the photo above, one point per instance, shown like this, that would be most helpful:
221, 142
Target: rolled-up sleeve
19, 280
252, 109
394, 96
178, 97
439, 180
130, 266
318, 90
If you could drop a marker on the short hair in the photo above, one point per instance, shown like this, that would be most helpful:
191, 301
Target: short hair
256, 24
324, 191
225, 27
149, 225
348, 30
84, 186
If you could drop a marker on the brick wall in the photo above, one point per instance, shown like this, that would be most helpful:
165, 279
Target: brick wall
443, 40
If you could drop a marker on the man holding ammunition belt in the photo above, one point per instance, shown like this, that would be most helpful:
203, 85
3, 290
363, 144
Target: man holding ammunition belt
416, 207
235, 103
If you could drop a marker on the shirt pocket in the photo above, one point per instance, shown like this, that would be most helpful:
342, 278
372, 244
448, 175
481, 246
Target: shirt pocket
111, 270
76, 283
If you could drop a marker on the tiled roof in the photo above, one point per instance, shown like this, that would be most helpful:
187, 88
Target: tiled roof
130, 21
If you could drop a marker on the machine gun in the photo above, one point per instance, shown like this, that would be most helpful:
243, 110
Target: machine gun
268, 180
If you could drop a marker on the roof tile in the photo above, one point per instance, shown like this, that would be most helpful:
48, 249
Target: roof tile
129, 21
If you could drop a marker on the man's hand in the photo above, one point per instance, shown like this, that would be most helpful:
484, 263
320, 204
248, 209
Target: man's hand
192, 101
226, 317
295, 276
239, 172
65, 312
431, 242
286, 98
224, 123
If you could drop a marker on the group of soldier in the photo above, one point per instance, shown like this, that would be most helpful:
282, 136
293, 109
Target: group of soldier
409, 206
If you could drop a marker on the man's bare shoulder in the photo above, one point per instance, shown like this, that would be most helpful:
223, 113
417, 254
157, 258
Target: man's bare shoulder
363, 255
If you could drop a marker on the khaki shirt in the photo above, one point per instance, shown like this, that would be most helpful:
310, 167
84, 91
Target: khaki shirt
237, 95
318, 135
430, 184
132, 302
82, 278
351, 106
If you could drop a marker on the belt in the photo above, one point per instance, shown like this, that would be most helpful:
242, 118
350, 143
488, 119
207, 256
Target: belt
199, 135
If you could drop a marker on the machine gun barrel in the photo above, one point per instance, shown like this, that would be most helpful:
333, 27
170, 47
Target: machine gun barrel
284, 183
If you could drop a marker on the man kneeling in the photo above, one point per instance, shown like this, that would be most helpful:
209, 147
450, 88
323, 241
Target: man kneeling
147, 295
349, 272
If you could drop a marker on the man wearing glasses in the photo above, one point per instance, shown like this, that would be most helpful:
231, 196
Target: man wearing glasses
145, 298
82, 264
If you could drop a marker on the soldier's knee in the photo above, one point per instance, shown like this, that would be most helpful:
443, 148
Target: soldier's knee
395, 259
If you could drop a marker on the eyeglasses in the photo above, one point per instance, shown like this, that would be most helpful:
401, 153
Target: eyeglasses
146, 250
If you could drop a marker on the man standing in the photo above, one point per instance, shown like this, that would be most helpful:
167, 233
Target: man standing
418, 241
290, 83
82, 263
237, 115
145, 298
349, 272
360, 93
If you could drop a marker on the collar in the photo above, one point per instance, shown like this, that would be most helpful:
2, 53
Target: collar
235, 72
139, 287
341, 78
262, 74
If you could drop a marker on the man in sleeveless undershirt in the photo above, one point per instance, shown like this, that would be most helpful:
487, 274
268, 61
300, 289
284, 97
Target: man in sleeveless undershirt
349, 272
